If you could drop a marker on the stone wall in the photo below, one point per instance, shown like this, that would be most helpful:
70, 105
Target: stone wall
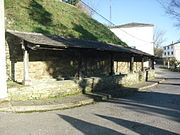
124, 67
65, 65
50, 88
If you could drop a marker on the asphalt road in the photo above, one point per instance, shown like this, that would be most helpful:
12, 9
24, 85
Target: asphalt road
156, 112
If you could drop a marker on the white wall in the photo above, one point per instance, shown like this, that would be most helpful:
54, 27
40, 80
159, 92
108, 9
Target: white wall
167, 51
3, 85
175, 48
140, 37
177, 51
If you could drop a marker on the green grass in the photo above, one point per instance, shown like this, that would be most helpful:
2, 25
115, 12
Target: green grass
56, 18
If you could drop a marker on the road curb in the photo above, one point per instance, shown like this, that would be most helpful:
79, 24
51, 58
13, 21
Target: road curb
43, 108
146, 87
61, 106
150, 86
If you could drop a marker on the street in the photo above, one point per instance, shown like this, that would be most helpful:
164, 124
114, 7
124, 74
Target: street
155, 112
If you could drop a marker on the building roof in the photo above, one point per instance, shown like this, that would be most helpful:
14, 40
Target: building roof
44, 40
173, 44
133, 24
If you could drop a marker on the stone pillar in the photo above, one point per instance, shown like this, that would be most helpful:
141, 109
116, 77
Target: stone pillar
26, 78
132, 64
3, 83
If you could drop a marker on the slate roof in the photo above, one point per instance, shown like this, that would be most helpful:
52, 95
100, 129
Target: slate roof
62, 42
133, 24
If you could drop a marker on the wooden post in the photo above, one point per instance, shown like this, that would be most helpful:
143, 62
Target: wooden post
132, 64
168, 63
80, 66
26, 78
164, 62
13, 77
142, 64
112, 64
152, 63
3, 83
117, 67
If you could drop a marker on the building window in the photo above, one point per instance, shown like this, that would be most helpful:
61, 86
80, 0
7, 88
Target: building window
164, 48
165, 53
168, 53
171, 53
168, 47
171, 47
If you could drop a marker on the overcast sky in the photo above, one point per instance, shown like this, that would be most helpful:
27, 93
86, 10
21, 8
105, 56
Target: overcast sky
141, 11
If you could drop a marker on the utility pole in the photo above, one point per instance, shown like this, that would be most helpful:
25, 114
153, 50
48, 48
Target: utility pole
3, 83
110, 14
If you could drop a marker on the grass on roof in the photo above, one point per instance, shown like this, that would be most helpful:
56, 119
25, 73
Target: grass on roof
55, 18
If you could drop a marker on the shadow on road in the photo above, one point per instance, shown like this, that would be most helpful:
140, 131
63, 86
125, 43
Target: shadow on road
153, 103
139, 128
88, 128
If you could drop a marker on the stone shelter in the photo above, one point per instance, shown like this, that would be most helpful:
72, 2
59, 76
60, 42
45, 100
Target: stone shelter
50, 65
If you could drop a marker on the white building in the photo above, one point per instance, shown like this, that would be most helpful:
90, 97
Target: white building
172, 51
136, 35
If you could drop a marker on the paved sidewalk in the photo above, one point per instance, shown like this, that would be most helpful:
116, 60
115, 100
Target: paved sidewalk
72, 101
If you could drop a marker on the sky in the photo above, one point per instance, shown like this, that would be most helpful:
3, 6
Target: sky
141, 11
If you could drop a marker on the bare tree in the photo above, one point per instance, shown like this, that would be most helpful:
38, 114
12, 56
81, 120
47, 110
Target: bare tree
159, 39
172, 8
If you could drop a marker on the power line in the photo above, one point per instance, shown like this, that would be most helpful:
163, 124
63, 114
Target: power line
110, 13
96, 12
109, 21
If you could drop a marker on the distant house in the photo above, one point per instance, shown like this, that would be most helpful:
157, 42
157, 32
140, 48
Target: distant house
136, 35
172, 51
